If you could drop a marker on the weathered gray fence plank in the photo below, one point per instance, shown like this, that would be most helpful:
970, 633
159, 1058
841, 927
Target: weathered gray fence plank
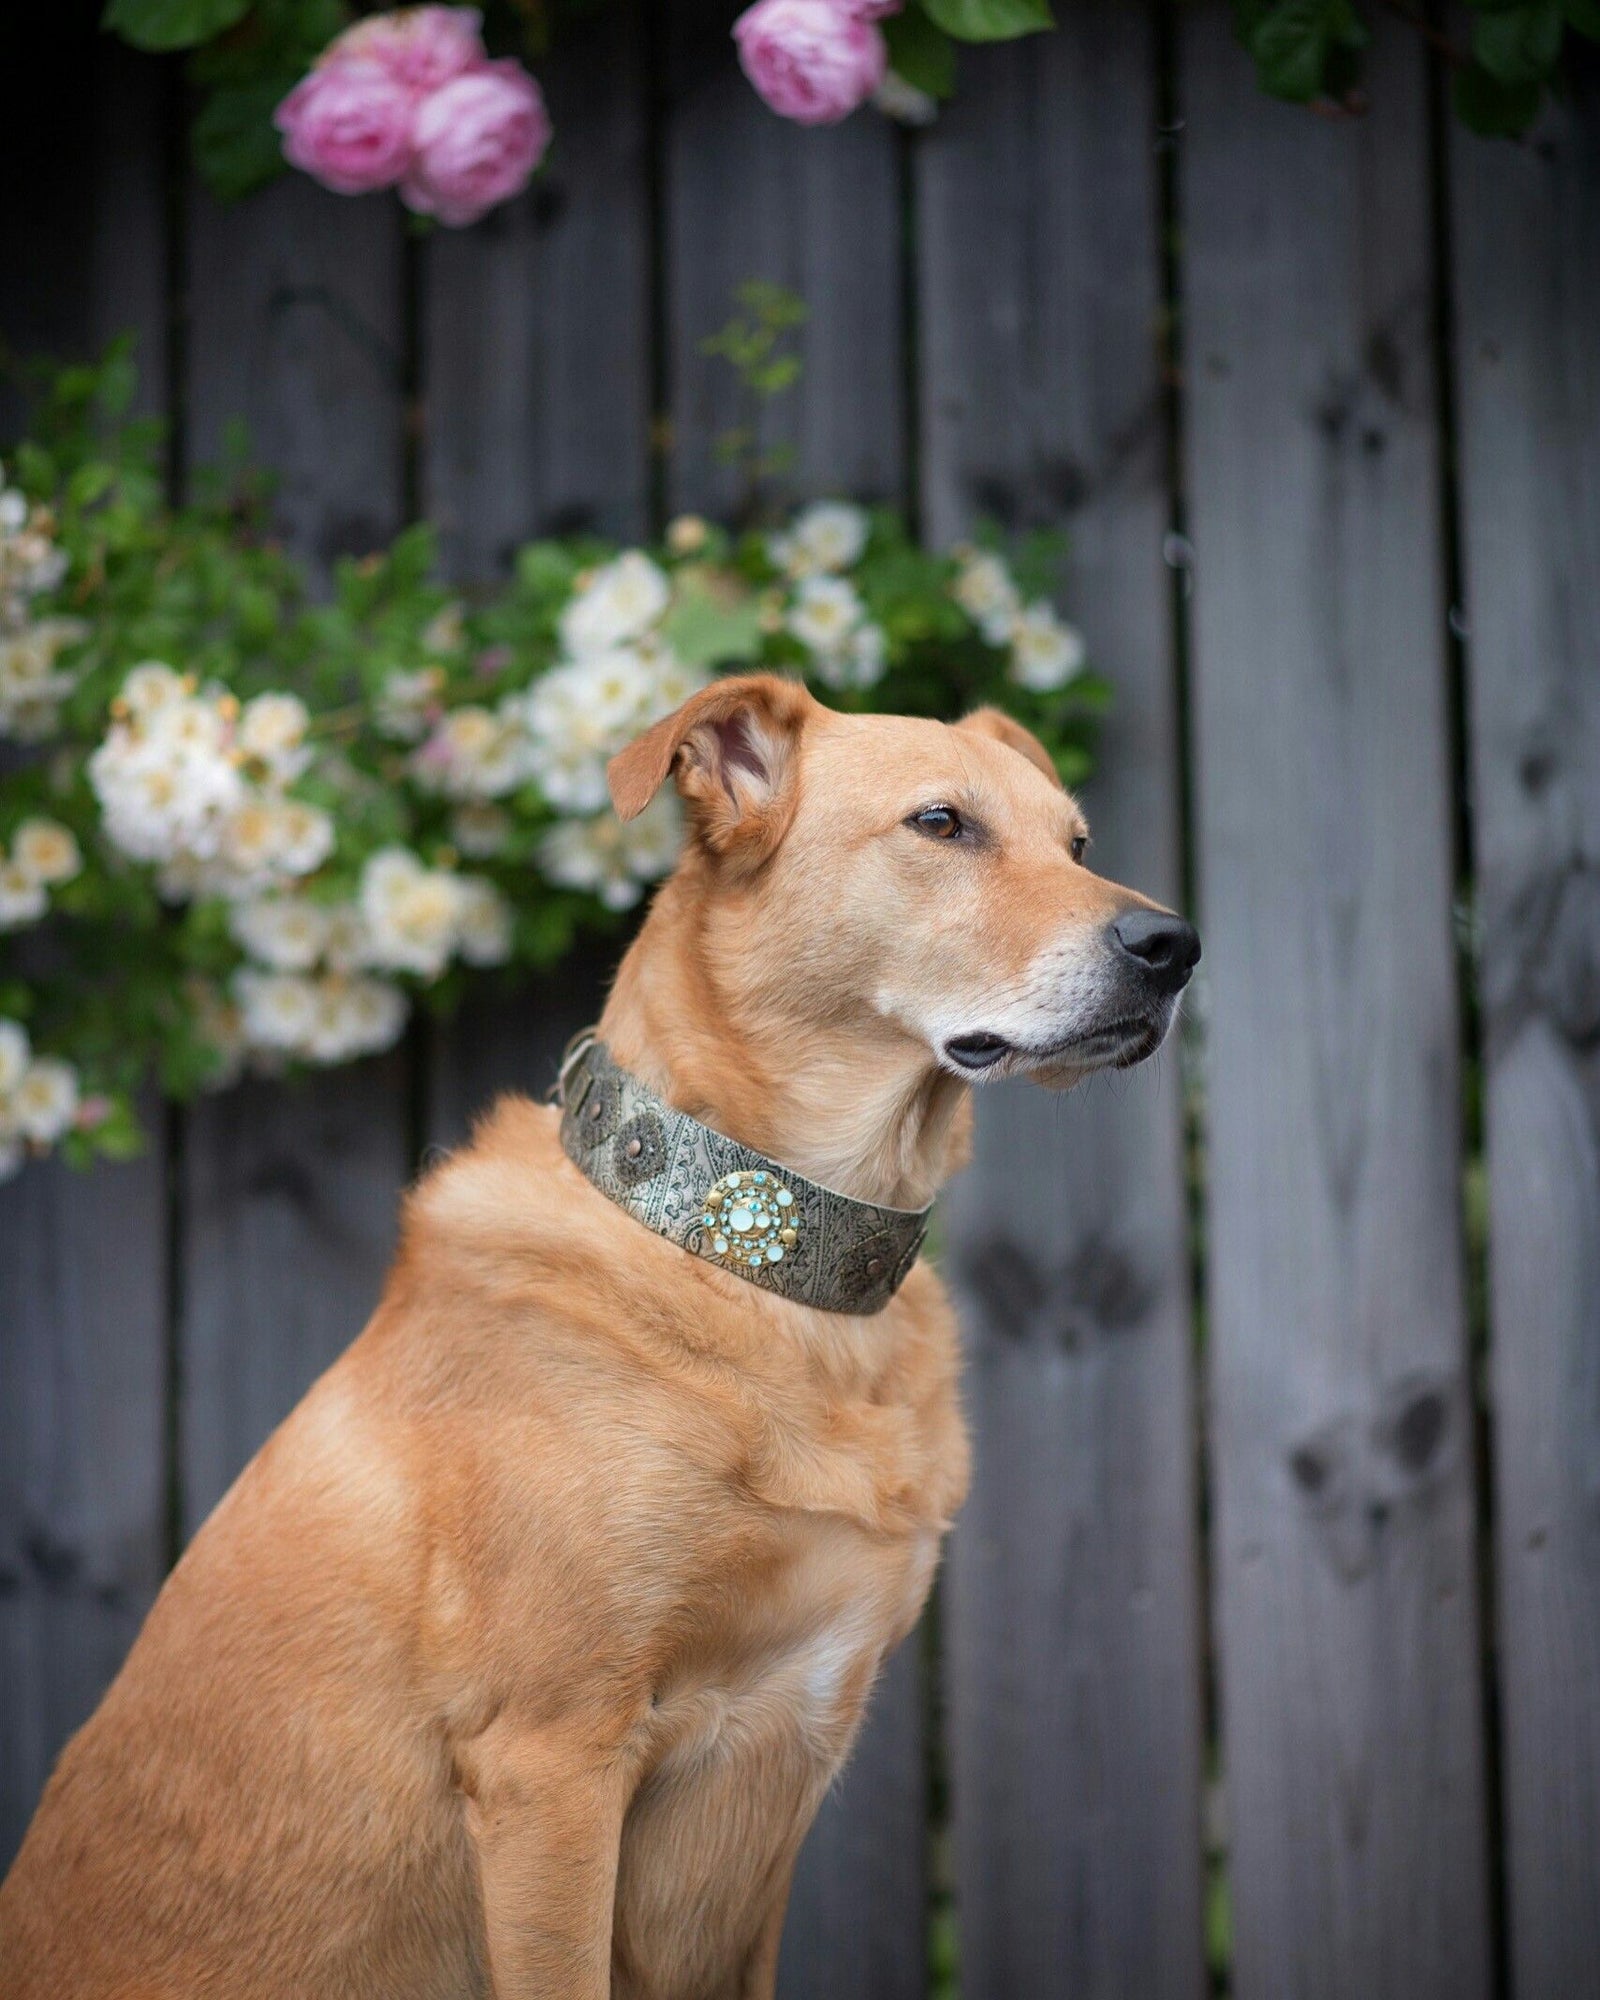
537, 400
537, 385
1527, 236
1072, 1624
747, 196
289, 1196
82, 1257
1343, 1540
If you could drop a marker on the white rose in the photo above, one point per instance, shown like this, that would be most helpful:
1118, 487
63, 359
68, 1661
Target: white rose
45, 1102
150, 686
619, 602
577, 716
284, 932
354, 1017
22, 896
860, 663
305, 836
46, 850
410, 912
829, 535
273, 729
279, 1009
825, 612
610, 860
1045, 653
986, 593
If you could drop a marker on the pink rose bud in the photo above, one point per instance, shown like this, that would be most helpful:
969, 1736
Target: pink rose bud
811, 60
420, 47
348, 125
478, 139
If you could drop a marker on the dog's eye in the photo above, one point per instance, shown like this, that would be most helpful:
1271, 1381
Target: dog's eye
938, 822
1080, 846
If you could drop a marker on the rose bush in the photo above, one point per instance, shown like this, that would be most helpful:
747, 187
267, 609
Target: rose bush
411, 100
242, 831
813, 61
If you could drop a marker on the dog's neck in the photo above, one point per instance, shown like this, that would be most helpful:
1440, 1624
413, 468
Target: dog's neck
854, 1103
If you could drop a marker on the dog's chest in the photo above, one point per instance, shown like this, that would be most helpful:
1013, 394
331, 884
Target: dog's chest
747, 1749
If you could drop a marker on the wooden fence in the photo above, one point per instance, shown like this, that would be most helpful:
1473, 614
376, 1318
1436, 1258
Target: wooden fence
1269, 1644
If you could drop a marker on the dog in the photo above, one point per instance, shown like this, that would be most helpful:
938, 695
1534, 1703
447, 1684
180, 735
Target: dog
519, 1659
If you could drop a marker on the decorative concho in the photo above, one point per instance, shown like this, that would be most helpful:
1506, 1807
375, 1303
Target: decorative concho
751, 1219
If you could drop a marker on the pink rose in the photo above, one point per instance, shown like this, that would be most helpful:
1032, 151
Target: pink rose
420, 47
348, 124
812, 60
478, 138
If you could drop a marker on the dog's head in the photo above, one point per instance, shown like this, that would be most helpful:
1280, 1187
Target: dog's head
930, 877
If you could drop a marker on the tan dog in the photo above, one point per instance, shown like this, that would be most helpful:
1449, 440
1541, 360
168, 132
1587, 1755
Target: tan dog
519, 1659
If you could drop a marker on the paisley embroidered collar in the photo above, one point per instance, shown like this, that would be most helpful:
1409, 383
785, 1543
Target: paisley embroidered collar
725, 1202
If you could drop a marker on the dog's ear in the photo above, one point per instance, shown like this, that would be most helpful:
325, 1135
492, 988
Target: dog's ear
996, 723
733, 749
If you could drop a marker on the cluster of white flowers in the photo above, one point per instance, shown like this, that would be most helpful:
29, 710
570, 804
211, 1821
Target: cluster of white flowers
41, 856
619, 675
1046, 652
39, 1099
825, 612
310, 990
332, 1019
32, 685
189, 779
604, 858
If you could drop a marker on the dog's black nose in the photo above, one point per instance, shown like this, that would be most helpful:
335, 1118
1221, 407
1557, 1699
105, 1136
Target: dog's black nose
1165, 948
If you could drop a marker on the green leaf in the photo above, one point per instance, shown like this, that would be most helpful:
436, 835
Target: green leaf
171, 24
989, 20
237, 148
1297, 43
707, 625
1493, 109
1583, 17
922, 53
1522, 44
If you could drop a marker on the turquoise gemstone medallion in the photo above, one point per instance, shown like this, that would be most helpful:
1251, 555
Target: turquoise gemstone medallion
750, 1220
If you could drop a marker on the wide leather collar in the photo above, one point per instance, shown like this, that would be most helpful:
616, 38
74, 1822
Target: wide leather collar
727, 1203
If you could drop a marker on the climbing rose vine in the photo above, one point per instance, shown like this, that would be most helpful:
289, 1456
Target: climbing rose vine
244, 831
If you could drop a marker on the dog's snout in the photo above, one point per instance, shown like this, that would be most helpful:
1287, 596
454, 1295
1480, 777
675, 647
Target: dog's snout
1164, 947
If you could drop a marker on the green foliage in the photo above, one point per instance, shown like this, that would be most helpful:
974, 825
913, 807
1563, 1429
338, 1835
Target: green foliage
138, 972
1303, 48
921, 52
1309, 50
244, 56
162, 25
990, 20
759, 345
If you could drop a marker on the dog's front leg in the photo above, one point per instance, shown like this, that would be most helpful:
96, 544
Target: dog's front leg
759, 1979
545, 1815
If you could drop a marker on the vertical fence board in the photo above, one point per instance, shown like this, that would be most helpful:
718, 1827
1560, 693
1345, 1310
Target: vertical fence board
537, 392
289, 1195
537, 385
748, 196
1344, 1518
82, 1257
1527, 231
1072, 1621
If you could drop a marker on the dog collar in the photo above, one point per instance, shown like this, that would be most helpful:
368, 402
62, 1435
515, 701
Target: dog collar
725, 1202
